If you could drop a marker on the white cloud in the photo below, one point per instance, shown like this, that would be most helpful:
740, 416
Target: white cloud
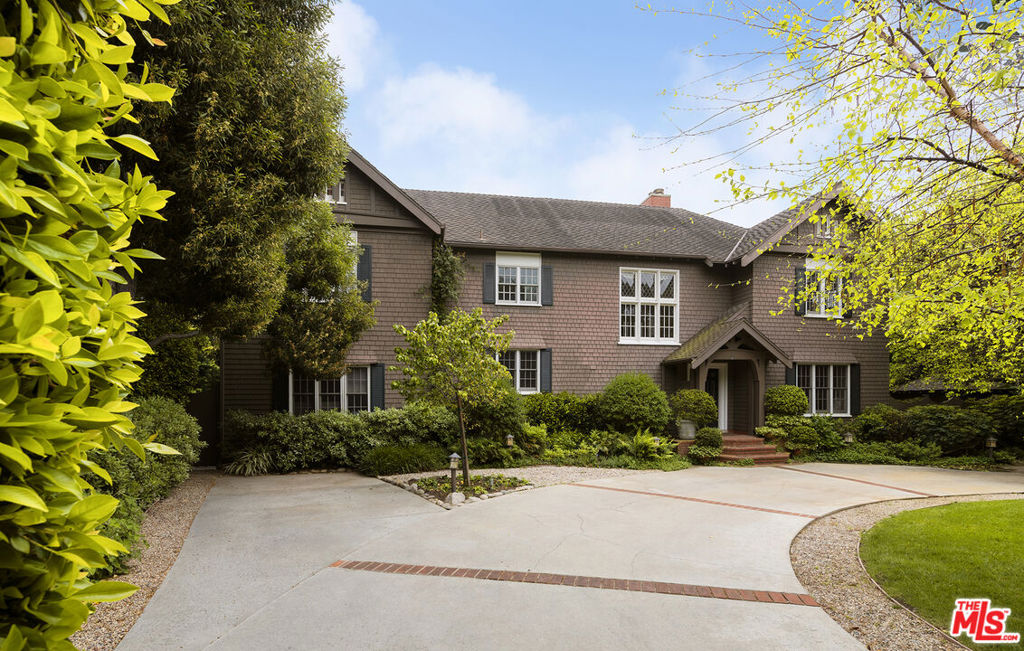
353, 40
455, 128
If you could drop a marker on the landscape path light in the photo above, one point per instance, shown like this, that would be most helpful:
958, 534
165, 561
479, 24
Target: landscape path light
453, 465
510, 440
990, 443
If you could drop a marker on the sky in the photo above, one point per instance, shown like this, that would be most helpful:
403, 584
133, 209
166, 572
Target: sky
550, 99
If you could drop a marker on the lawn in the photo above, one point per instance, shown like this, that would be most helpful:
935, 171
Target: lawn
930, 557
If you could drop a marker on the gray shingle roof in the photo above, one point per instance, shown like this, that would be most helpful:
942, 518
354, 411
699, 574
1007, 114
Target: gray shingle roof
488, 220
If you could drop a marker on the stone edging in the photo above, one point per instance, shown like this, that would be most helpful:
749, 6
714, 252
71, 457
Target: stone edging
825, 555
415, 490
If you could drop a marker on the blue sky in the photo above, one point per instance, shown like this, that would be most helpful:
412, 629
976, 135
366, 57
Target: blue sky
532, 98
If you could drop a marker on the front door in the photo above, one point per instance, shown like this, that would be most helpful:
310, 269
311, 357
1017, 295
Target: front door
717, 384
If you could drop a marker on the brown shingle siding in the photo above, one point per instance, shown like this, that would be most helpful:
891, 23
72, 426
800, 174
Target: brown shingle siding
582, 327
401, 271
246, 376
813, 340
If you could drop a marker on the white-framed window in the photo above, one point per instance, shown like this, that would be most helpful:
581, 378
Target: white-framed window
825, 225
824, 295
524, 367
335, 193
827, 387
518, 278
648, 306
351, 392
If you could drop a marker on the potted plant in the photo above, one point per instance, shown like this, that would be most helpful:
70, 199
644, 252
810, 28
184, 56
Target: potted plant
693, 410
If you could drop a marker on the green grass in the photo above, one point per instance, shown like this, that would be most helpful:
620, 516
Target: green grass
930, 557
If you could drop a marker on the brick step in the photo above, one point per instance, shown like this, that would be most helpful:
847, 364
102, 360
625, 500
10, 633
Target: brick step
749, 452
778, 457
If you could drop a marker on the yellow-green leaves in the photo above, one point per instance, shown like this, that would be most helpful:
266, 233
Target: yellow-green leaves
68, 352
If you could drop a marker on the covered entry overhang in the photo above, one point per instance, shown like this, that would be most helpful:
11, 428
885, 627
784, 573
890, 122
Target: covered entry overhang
735, 355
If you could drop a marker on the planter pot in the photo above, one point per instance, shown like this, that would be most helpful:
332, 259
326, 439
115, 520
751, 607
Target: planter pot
687, 429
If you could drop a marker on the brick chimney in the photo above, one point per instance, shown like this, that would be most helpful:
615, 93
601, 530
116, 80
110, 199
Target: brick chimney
658, 199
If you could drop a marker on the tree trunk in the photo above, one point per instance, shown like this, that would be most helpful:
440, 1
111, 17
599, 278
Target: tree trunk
465, 447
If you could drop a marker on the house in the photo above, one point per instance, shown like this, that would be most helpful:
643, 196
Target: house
592, 290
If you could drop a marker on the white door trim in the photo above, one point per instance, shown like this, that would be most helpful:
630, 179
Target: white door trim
723, 395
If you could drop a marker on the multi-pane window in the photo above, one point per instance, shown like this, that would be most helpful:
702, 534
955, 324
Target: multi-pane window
335, 193
824, 295
827, 387
518, 279
524, 367
350, 392
648, 305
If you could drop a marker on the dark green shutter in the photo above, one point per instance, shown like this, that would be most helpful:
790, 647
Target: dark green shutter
547, 286
854, 389
545, 370
799, 286
791, 375
364, 272
489, 282
279, 391
377, 387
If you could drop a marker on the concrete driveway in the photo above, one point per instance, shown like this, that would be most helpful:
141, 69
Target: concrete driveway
691, 559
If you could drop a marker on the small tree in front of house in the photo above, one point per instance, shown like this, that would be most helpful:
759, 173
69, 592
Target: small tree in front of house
453, 362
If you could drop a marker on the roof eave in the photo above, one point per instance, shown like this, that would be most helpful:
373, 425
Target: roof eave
769, 243
419, 212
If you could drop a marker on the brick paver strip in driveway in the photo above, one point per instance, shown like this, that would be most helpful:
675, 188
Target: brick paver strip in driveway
660, 587
700, 500
859, 481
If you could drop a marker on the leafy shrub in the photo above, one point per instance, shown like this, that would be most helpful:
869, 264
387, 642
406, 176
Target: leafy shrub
138, 483
251, 462
710, 437
633, 402
694, 405
432, 423
786, 423
561, 410
401, 459
608, 443
497, 418
827, 428
771, 434
583, 455
666, 464
1007, 416
955, 430
786, 400
488, 452
647, 447
880, 422
703, 454
801, 439
533, 439
899, 453
911, 450
125, 526
70, 351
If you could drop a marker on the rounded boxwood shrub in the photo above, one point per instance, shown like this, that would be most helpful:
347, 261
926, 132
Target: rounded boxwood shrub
802, 439
702, 454
632, 402
708, 437
561, 410
786, 400
694, 405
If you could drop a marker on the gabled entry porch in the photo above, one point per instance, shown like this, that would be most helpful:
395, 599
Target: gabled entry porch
728, 359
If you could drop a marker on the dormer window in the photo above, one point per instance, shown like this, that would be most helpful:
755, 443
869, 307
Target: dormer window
335, 194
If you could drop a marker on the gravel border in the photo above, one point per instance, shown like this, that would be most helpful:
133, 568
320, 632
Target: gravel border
165, 528
826, 559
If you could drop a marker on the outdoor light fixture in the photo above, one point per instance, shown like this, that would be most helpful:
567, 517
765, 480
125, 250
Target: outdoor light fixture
510, 440
990, 443
453, 465
848, 437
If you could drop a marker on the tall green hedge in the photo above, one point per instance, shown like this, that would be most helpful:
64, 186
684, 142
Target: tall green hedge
68, 355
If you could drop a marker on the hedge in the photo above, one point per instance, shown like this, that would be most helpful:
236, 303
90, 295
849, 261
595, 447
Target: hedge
633, 402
